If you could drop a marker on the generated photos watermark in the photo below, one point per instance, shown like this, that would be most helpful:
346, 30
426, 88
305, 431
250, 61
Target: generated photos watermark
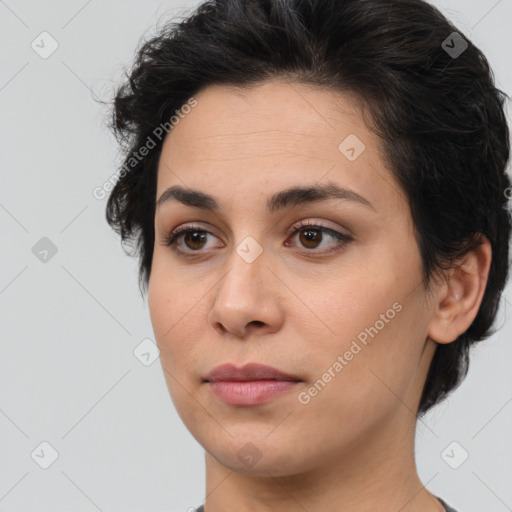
342, 361
159, 134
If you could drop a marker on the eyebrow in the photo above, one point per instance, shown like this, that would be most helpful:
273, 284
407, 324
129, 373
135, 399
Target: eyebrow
288, 198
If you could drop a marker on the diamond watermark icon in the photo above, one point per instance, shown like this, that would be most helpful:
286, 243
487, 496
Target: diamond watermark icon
249, 454
146, 352
508, 195
249, 249
454, 45
44, 45
44, 455
454, 455
351, 147
44, 250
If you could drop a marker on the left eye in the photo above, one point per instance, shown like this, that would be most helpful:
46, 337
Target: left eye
311, 237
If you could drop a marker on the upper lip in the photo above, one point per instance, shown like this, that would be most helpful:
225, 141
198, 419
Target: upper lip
248, 372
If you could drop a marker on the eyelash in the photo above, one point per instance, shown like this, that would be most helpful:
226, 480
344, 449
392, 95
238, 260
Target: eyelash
171, 239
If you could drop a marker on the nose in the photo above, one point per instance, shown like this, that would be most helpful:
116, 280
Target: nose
247, 299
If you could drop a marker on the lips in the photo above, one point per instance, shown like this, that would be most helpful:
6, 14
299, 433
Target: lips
248, 372
251, 385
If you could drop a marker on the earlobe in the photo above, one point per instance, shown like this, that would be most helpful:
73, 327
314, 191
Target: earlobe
460, 295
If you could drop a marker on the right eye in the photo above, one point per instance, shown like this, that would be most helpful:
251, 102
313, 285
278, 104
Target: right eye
194, 238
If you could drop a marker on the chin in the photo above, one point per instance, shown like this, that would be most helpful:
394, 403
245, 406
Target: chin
270, 465
255, 455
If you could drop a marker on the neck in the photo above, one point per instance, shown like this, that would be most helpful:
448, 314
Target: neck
377, 473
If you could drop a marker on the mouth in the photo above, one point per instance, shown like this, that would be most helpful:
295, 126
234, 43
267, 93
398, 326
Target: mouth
252, 384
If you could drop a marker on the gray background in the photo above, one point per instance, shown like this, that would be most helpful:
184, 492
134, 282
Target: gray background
69, 326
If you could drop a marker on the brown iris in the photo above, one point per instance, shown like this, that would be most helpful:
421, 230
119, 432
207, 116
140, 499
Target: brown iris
194, 237
309, 237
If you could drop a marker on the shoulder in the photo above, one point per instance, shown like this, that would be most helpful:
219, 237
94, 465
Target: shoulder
445, 505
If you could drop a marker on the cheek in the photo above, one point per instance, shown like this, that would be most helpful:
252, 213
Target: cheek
179, 315
173, 323
170, 299
161, 309
374, 347
168, 317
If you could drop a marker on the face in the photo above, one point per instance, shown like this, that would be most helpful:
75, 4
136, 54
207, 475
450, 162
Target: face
325, 288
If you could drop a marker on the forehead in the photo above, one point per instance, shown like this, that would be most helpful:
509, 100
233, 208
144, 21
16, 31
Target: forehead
270, 136
273, 116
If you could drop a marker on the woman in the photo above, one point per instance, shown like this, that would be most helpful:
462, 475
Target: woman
318, 195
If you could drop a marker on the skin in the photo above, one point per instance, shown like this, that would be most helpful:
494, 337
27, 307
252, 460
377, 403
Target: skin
351, 448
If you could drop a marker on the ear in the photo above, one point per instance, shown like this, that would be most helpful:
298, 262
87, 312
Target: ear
460, 295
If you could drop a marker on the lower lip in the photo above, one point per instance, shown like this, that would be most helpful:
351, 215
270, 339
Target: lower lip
252, 392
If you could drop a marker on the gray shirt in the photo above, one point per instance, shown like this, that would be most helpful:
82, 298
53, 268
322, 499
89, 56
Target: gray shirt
447, 507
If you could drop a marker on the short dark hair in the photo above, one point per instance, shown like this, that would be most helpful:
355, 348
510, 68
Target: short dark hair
438, 113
